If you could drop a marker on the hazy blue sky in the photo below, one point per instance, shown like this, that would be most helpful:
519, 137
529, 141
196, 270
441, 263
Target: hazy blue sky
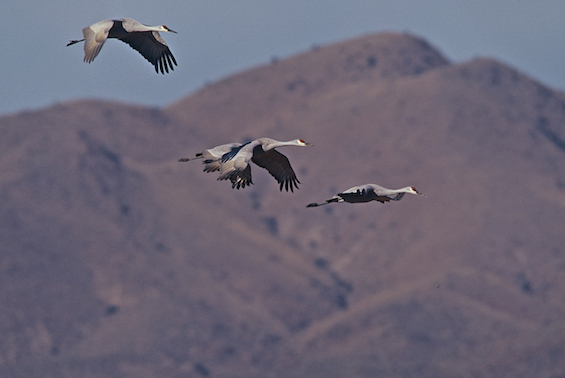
220, 37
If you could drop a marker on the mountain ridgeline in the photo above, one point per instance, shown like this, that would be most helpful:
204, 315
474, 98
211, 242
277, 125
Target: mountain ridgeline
119, 261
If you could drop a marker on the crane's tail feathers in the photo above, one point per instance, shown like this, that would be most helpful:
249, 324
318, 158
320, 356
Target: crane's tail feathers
75, 41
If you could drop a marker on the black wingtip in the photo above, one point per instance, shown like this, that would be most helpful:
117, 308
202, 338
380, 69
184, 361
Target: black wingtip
288, 184
163, 64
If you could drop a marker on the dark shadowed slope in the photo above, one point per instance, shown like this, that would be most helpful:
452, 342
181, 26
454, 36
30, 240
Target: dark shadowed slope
118, 261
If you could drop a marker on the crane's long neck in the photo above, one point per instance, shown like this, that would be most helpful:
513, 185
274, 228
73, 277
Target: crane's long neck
408, 189
270, 144
155, 28
130, 25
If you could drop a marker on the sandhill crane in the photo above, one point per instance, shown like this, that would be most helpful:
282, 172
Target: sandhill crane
212, 162
232, 160
143, 38
235, 164
368, 193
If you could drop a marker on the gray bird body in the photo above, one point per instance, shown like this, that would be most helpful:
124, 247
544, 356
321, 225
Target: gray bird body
368, 193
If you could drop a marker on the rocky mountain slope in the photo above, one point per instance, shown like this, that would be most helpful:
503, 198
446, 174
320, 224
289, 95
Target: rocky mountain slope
119, 261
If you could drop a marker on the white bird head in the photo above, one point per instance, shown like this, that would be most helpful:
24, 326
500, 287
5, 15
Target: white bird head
411, 189
301, 142
164, 28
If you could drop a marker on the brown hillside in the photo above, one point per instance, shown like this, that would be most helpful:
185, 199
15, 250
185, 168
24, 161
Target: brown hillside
118, 261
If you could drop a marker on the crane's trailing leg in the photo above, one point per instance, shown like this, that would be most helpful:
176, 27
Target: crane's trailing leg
314, 204
75, 41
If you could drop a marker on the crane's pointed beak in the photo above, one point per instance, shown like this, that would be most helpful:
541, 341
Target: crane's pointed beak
417, 192
172, 31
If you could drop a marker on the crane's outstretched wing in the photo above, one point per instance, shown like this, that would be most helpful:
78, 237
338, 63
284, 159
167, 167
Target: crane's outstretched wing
153, 48
239, 178
94, 37
279, 167
232, 152
213, 156
354, 196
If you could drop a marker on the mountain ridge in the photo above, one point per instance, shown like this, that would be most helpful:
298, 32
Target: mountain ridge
120, 261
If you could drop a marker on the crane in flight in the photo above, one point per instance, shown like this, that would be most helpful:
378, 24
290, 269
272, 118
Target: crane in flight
368, 193
234, 165
143, 38
233, 161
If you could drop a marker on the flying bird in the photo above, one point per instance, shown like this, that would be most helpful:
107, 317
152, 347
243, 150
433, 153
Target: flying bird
368, 193
234, 165
143, 38
232, 160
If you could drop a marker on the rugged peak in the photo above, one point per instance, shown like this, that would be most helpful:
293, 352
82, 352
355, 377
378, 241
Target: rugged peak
371, 58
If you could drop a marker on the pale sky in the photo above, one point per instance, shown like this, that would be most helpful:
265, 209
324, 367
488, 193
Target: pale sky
217, 38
